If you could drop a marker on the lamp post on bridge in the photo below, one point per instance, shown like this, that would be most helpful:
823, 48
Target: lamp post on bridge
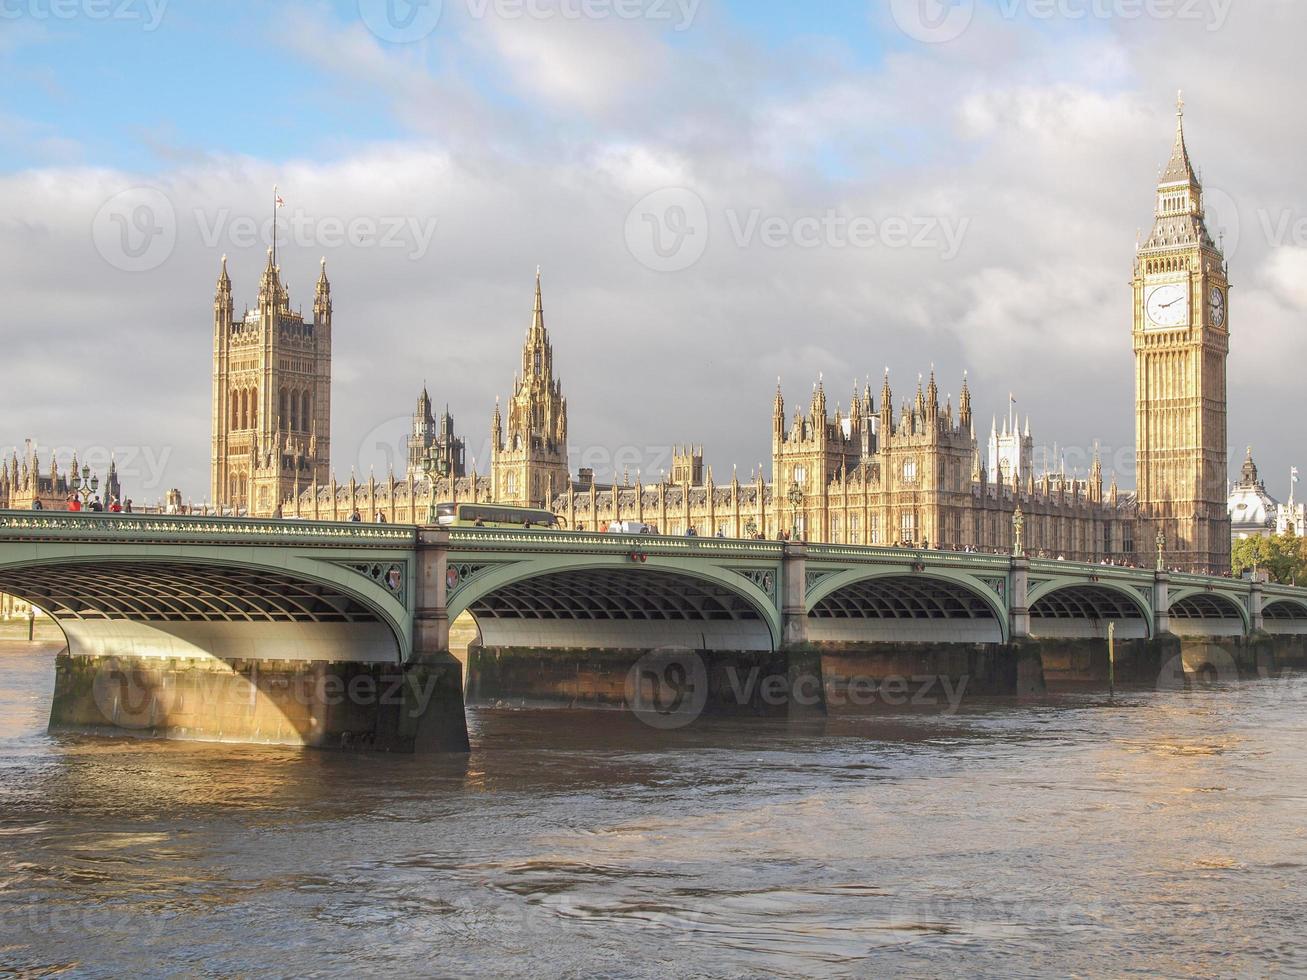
1161, 550
431, 468
84, 485
796, 498
1018, 533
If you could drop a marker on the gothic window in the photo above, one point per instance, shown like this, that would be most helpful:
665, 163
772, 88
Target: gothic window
235, 410
854, 536
910, 470
908, 527
835, 530
254, 407
283, 413
245, 409
306, 412
510, 483
537, 362
801, 475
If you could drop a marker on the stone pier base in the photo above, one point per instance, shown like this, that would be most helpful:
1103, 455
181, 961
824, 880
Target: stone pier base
801, 681
319, 704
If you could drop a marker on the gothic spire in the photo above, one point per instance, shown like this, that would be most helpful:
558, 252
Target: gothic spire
538, 315
1179, 214
1180, 168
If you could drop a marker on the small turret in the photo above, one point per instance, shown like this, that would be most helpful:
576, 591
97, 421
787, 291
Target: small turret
322, 296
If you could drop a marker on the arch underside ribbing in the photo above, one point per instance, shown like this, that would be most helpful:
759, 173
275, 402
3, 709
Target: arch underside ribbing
182, 609
907, 608
1205, 614
1285, 617
1080, 611
621, 609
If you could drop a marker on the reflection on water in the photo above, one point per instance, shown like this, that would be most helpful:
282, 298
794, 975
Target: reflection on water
1160, 833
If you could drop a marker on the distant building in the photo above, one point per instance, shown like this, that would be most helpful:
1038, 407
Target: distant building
1292, 515
886, 471
271, 395
22, 483
1011, 452
1253, 511
435, 444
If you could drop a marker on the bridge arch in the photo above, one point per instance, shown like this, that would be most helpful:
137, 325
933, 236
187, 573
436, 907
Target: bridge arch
1285, 616
614, 602
1069, 609
904, 604
1198, 612
154, 603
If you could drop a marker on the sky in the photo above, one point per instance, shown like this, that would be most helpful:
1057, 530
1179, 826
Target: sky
719, 193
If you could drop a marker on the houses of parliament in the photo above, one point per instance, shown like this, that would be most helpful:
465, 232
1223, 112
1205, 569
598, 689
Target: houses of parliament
889, 470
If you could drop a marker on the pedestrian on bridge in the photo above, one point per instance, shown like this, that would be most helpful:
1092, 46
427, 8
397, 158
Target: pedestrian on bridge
37, 505
74, 504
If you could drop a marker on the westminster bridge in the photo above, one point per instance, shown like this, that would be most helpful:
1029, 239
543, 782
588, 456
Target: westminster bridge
190, 608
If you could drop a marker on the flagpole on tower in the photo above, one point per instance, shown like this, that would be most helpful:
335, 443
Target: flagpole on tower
275, 199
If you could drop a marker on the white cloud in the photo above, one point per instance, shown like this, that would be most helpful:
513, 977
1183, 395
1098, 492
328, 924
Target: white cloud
1045, 142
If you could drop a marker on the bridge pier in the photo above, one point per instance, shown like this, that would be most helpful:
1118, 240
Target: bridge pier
1018, 600
1256, 607
793, 595
1161, 604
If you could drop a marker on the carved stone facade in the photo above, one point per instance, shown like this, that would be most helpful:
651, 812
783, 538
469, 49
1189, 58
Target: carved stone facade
528, 451
433, 445
1181, 344
882, 474
271, 396
879, 478
23, 484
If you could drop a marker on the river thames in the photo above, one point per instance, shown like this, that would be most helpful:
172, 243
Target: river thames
1160, 832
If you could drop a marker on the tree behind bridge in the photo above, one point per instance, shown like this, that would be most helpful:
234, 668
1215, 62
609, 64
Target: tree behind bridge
1283, 557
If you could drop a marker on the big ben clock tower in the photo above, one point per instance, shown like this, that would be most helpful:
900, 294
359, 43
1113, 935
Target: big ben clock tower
1181, 342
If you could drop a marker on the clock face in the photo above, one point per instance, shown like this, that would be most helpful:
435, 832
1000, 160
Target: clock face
1168, 306
1217, 301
